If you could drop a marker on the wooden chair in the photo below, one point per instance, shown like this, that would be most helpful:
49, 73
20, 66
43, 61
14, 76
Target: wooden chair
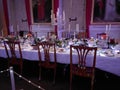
46, 61
82, 68
14, 54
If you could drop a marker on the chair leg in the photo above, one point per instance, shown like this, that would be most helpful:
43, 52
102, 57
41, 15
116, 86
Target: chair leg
65, 69
70, 81
21, 68
54, 76
92, 82
39, 73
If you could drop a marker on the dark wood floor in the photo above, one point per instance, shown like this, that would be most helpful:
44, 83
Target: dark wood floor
103, 80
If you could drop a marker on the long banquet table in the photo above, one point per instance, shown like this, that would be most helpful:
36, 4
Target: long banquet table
105, 63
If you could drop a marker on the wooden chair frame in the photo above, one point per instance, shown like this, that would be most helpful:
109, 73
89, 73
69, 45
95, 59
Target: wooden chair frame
12, 55
81, 69
46, 63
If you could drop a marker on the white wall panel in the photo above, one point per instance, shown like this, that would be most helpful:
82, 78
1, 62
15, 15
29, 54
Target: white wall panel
113, 33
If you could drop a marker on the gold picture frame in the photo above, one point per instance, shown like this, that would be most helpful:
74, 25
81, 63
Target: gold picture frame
105, 11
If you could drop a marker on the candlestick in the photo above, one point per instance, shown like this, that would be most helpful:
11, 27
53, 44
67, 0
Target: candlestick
54, 18
17, 28
109, 28
30, 28
58, 12
77, 27
106, 29
63, 15
11, 28
69, 27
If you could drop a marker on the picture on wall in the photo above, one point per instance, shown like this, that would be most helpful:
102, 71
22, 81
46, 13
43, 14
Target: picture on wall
41, 11
106, 11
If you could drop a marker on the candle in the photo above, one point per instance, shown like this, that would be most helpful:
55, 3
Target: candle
58, 12
51, 12
109, 28
53, 18
63, 15
69, 27
12, 78
2, 32
106, 29
30, 28
11, 28
77, 27
74, 35
17, 28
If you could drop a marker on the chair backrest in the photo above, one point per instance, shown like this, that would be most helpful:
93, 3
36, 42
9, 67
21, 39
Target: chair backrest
82, 53
13, 51
46, 47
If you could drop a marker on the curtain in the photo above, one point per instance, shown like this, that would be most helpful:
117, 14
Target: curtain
56, 5
88, 15
27, 5
5, 9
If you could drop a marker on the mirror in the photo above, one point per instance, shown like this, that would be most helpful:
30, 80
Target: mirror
41, 11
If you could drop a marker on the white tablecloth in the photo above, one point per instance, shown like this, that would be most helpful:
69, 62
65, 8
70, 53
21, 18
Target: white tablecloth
109, 64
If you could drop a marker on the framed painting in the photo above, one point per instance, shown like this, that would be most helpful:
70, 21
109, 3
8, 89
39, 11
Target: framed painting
41, 11
105, 11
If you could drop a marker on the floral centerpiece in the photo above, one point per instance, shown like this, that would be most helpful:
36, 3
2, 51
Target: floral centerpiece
11, 38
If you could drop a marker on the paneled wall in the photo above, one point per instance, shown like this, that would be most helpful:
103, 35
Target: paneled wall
17, 14
3, 28
75, 9
72, 8
113, 33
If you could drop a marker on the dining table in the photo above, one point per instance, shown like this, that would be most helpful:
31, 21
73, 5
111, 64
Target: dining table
104, 61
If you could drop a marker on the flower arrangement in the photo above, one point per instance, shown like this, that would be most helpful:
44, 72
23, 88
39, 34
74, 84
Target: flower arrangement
11, 37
